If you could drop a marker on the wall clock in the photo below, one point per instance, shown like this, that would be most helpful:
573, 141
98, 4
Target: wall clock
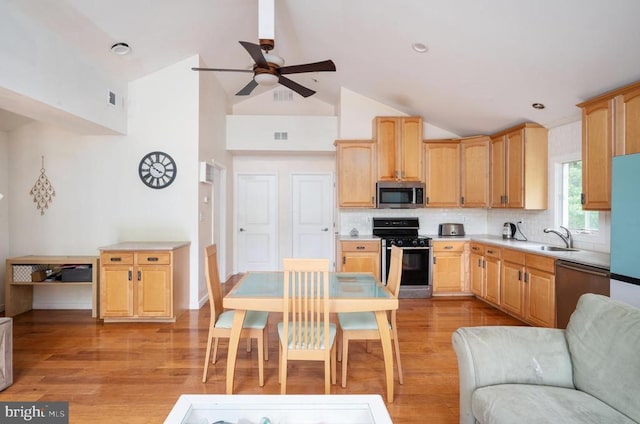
157, 170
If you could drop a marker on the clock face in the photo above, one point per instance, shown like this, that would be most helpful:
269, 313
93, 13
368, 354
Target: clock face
157, 170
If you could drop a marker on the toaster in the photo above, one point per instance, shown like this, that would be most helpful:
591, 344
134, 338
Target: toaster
451, 229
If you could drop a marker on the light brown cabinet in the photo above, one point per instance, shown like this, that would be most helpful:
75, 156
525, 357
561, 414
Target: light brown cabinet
528, 287
356, 173
442, 173
399, 148
484, 270
144, 281
610, 126
450, 262
360, 256
519, 159
474, 172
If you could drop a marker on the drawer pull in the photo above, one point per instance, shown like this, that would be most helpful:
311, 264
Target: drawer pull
489, 251
152, 259
448, 247
360, 247
475, 248
115, 259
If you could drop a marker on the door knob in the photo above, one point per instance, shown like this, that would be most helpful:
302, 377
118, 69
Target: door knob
325, 229
241, 229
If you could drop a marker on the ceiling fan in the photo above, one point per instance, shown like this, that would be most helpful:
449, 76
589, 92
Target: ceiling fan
268, 68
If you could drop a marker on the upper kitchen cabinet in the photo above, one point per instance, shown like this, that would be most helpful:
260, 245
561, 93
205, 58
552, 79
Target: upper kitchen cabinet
610, 126
356, 173
399, 148
474, 176
597, 148
519, 167
442, 173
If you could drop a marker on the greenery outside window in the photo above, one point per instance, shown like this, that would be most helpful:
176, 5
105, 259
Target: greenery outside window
572, 215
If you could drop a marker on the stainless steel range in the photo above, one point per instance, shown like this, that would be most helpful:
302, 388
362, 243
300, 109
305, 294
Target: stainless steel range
417, 254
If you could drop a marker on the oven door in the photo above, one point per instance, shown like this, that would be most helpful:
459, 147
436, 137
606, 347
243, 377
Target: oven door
416, 269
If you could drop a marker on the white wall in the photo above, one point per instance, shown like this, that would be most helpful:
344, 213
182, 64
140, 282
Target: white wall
4, 209
46, 78
100, 199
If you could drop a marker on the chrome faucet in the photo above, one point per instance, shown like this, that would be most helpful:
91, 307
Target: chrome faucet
567, 239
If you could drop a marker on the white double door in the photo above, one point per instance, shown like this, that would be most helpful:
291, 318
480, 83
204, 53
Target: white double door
297, 223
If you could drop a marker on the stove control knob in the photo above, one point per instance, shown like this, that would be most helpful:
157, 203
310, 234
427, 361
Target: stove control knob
399, 243
422, 243
414, 243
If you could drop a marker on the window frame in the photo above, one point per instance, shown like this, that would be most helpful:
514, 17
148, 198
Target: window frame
591, 237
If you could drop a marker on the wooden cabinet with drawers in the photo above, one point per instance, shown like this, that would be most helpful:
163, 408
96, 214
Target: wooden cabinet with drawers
450, 267
360, 256
144, 281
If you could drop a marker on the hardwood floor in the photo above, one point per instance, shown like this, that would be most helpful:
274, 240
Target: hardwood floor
134, 373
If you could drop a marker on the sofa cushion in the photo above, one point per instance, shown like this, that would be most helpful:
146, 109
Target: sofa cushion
526, 403
604, 341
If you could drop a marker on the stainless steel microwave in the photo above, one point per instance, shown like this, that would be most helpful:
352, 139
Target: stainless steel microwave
399, 194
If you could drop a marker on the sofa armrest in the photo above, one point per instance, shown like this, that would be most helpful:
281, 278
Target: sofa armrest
503, 355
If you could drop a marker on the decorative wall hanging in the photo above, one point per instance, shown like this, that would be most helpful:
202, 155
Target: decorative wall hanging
42, 191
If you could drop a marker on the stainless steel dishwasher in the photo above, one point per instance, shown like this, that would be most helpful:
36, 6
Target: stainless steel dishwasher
572, 281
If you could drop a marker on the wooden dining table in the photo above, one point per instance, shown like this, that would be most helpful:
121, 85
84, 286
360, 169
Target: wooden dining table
348, 292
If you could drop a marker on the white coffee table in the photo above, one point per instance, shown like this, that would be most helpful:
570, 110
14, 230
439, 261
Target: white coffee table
279, 409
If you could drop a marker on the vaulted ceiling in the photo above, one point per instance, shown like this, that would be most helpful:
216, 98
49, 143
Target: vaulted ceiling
487, 60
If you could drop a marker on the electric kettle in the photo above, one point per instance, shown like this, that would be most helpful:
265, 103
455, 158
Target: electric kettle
509, 230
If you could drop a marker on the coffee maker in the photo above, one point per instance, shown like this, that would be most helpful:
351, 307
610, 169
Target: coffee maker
509, 230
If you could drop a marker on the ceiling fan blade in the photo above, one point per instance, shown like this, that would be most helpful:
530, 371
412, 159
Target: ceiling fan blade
247, 88
326, 65
255, 52
222, 70
301, 90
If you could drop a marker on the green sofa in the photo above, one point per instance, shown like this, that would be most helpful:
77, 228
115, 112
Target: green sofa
588, 373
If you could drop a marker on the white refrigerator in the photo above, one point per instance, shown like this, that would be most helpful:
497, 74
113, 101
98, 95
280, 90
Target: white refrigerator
625, 229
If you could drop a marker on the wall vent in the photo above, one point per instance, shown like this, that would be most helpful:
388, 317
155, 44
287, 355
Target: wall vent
283, 96
112, 98
280, 135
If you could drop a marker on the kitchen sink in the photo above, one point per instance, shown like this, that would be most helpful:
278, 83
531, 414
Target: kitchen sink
559, 249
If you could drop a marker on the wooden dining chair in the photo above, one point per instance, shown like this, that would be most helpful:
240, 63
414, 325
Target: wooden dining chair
255, 323
306, 333
363, 325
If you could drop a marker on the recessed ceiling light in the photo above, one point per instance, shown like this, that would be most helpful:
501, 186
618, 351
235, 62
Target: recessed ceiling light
419, 47
120, 49
537, 106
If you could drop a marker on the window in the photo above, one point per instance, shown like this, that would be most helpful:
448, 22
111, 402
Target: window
573, 217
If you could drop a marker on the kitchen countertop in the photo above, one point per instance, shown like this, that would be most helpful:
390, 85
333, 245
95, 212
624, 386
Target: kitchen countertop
582, 256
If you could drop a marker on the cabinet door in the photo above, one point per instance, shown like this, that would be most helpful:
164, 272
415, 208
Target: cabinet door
356, 169
492, 283
448, 272
597, 146
442, 176
387, 133
116, 291
513, 288
474, 169
476, 271
361, 262
154, 291
410, 153
514, 181
628, 122
498, 172
541, 293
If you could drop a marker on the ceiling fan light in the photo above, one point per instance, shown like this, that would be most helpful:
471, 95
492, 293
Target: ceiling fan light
266, 79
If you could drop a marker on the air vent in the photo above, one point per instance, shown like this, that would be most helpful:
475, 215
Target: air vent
112, 98
280, 135
283, 96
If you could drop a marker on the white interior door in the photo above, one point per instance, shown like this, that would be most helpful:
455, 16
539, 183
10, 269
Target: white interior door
312, 216
256, 229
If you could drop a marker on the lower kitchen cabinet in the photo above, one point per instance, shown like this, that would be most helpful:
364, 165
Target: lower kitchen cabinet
528, 287
360, 256
144, 281
485, 272
450, 262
